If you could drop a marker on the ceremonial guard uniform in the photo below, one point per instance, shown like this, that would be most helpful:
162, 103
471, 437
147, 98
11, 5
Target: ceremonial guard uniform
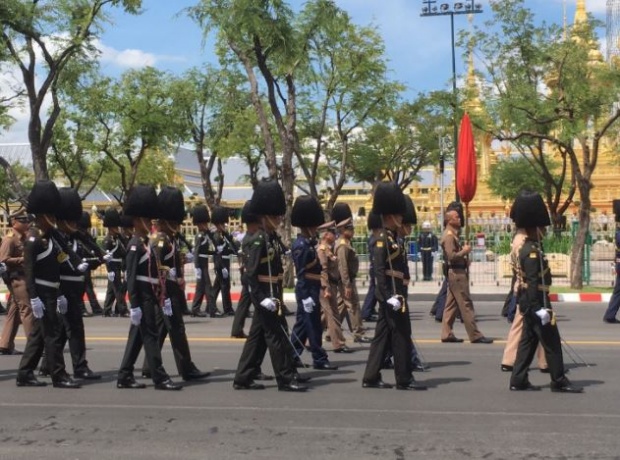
539, 324
169, 319
245, 301
12, 256
393, 325
348, 267
308, 215
145, 293
204, 248
373, 223
225, 249
428, 245
115, 247
614, 301
94, 251
42, 257
261, 269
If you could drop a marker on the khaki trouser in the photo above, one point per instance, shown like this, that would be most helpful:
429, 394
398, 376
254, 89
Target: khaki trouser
19, 312
459, 297
512, 344
352, 306
330, 310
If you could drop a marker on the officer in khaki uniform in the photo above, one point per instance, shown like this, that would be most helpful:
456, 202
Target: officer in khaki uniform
457, 261
12, 255
330, 277
348, 267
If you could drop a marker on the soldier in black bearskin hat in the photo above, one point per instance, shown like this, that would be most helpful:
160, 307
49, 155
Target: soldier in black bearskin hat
393, 326
614, 302
171, 264
115, 247
204, 248
262, 267
225, 248
539, 323
145, 293
307, 215
373, 223
92, 251
43, 255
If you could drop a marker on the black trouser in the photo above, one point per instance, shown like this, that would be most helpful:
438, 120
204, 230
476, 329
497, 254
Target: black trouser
204, 289
368, 309
174, 326
266, 331
222, 284
549, 337
427, 264
308, 327
90, 293
393, 329
242, 312
72, 329
144, 334
440, 300
45, 335
115, 293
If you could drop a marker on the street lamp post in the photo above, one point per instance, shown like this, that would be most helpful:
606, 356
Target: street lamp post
430, 8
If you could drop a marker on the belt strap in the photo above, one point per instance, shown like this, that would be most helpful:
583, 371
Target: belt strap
313, 276
147, 279
116, 260
46, 283
268, 279
203, 256
395, 274
72, 278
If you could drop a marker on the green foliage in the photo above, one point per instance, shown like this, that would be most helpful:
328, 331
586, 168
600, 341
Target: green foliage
8, 196
509, 176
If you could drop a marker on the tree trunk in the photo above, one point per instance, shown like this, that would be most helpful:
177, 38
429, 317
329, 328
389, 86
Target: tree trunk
577, 252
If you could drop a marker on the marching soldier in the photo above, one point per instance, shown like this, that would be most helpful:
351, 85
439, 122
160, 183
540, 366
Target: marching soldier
12, 255
225, 248
261, 269
115, 247
539, 324
90, 245
42, 258
614, 302
203, 249
171, 274
393, 326
348, 267
307, 215
145, 293
373, 223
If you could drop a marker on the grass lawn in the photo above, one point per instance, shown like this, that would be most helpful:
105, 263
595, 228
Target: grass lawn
566, 289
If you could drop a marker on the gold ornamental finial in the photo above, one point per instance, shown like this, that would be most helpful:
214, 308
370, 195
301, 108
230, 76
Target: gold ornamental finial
581, 14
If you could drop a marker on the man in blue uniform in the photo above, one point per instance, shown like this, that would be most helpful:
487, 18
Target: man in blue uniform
614, 303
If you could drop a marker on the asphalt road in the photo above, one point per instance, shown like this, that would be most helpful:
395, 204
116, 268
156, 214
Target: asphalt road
468, 411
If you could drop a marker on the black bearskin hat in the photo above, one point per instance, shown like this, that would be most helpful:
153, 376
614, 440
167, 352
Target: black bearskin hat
388, 199
84, 221
44, 198
529, 210
126, 221
307, 212
171, 204
247, 217
142, 202
111, 218
458, 207
268, 199
70, 205
341, 214
410, 216
616, 207
219, 215
200, 214
373, 221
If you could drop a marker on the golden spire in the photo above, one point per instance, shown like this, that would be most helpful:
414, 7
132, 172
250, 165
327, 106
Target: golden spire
581, 14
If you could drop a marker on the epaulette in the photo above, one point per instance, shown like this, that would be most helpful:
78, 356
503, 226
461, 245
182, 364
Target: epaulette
322, 247
342, 241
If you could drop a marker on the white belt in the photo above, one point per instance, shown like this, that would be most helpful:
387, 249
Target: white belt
147, 279
204, 256
116, 260
226, 257
51, 284
72, 278
171, 278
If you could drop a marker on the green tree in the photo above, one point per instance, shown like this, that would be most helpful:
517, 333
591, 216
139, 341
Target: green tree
42, 37
15, 181
509, 176
552, 92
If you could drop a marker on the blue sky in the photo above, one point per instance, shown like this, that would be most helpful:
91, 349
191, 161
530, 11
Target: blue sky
418, 48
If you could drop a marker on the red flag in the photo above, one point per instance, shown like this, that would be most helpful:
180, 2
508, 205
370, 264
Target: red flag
466, 174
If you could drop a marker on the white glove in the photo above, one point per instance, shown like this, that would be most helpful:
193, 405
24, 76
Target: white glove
111, 276
287, 252
172, 273
2, 268
198, 273
167, 307
189, 258
308, 304
268, 304
107, 257
395, 303
82, 267
38, 308
61, 305
135, 316
225, 273
220, 248
545, 317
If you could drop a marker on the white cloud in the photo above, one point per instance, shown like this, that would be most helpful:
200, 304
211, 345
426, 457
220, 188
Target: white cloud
132, 58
